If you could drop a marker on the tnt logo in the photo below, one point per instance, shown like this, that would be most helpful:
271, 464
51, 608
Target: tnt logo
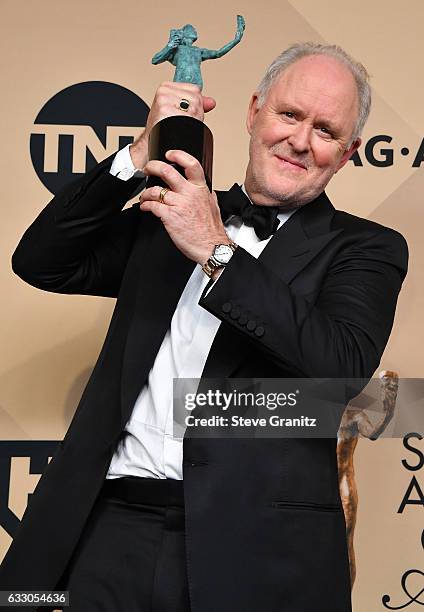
81, 125
21, 465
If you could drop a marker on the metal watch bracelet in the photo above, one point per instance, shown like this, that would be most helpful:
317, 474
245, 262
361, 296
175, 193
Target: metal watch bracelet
213, 264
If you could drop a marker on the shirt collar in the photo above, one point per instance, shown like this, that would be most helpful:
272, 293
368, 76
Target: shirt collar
282, 216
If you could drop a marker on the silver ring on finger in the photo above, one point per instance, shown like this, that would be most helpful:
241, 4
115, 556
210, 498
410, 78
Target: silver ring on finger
184, 104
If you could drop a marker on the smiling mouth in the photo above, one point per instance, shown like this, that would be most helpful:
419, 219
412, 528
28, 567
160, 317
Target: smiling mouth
291, 164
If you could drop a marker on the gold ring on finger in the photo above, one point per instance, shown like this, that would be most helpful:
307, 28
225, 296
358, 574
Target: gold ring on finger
162, 194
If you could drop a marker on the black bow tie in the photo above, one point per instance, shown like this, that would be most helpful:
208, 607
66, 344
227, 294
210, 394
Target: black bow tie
263, 219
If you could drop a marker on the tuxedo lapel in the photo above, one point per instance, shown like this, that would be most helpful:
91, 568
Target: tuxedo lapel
161, 272
297, 242
300, 239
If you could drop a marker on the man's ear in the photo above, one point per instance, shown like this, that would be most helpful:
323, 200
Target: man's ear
252, 112
348, 153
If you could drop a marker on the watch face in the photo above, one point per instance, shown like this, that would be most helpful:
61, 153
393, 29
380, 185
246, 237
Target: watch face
222, 253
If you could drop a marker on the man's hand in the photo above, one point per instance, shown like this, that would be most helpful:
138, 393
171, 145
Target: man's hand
165, 104
190, 212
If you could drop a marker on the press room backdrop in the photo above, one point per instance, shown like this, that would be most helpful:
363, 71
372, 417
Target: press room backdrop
52, 52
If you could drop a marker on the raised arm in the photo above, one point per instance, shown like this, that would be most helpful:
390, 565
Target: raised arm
80, 242
214, 54
167, 53
339, 333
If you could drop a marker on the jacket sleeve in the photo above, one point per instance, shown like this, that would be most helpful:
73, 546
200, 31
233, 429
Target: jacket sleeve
80, 242
340, 333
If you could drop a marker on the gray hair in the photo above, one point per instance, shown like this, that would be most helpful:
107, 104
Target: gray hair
300, 50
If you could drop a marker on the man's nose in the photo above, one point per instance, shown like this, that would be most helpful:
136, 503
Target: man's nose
300, 137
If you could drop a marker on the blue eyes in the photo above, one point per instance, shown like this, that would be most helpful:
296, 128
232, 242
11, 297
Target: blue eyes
324, 130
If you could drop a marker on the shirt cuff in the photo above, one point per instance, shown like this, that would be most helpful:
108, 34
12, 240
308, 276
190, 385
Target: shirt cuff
213, 283
122, 166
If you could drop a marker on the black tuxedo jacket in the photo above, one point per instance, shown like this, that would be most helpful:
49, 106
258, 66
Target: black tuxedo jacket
265, 528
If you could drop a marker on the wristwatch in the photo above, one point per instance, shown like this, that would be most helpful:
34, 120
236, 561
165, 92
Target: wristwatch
221, 255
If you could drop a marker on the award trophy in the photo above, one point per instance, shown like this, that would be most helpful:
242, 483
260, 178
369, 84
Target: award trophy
179, 132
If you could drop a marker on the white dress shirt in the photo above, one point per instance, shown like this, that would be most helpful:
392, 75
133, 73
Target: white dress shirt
148, 448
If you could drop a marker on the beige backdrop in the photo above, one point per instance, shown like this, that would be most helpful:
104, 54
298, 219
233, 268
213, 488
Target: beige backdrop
50, 342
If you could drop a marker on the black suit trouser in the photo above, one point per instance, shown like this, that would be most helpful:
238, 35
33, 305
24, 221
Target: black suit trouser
131, 555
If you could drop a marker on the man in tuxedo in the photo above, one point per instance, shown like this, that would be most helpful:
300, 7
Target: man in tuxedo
264, 280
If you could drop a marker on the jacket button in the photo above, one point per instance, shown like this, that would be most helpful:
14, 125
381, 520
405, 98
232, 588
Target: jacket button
235, 313
259, 331
243, 319
251, 325
226, 307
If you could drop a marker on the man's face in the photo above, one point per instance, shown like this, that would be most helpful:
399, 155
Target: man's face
299, 136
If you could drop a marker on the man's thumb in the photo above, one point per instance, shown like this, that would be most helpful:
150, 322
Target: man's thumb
208, 103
